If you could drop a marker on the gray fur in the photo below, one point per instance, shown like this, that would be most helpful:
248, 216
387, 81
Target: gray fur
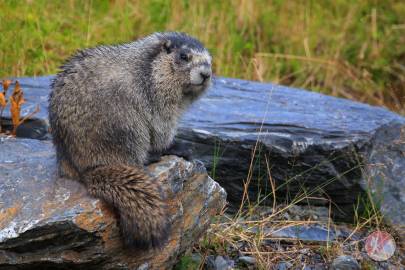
112, 105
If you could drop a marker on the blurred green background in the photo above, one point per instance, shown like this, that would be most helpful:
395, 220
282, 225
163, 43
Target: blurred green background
352, 49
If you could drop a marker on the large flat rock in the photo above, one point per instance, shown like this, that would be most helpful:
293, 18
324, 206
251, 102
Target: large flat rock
327, 148
48, 222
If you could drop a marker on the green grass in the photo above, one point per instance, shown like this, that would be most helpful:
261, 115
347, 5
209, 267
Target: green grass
353, 49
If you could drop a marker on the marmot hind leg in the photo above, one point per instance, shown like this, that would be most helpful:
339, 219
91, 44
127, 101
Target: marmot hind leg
67, 170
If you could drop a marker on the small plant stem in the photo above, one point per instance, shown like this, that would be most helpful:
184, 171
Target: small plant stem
1, 118
24, 119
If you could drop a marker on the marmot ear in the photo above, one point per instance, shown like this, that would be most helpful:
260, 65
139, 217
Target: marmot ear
167, 46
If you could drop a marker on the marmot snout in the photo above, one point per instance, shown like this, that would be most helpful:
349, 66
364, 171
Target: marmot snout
111, 106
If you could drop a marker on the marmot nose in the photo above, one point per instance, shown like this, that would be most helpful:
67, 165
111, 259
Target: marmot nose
205, 75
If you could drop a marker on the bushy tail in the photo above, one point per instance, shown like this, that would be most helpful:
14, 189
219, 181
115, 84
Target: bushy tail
139, 200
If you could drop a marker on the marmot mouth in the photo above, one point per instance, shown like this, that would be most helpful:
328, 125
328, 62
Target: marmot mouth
203, 83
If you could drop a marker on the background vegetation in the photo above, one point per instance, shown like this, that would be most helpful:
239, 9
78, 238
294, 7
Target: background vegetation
353, 49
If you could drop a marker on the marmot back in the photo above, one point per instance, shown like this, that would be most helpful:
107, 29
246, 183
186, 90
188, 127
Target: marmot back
111, 106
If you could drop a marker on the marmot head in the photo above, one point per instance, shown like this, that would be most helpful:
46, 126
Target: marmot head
183, 62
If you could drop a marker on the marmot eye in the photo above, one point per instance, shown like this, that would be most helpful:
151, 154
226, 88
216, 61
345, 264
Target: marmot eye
184, 57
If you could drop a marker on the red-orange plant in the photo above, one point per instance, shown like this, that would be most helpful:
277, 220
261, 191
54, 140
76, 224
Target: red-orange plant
16, 101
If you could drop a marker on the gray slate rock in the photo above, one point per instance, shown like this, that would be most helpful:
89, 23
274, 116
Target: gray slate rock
330, 147
247, 259
219, 263
310, 233
345, 262
47, 222
283, 266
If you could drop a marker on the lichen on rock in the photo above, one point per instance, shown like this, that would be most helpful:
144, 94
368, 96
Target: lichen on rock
51, 222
